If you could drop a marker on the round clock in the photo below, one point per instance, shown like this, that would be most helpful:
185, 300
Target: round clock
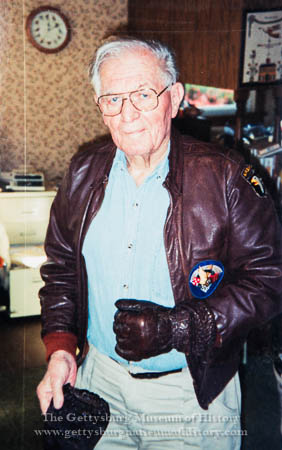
48, 29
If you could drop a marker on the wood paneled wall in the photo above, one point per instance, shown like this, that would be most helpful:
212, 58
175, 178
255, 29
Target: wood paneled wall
205, 34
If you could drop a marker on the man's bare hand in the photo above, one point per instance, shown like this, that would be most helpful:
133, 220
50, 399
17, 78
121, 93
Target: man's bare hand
62, 369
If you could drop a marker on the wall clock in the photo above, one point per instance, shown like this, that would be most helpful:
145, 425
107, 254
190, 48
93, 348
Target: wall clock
48, 29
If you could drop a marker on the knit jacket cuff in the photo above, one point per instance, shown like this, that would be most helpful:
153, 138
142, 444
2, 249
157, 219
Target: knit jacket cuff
60, 341
193, 328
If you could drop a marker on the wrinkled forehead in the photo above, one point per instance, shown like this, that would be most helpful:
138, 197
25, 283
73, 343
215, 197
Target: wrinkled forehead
137, 62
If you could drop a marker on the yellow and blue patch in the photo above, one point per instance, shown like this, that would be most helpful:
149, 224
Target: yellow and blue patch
250, 176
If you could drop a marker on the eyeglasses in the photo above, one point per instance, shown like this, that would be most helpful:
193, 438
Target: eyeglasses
143, 100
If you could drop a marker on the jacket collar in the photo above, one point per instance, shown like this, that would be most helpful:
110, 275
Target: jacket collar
174, 178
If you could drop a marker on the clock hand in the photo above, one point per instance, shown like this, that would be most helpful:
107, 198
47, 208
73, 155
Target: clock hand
56, 26
50, 29
47, 31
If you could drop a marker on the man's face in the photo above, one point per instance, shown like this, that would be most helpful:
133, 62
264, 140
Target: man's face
133, 131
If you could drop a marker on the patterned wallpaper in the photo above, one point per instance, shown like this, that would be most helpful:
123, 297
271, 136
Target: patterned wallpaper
47, 108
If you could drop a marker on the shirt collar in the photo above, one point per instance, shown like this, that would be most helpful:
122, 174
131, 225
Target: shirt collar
160, 171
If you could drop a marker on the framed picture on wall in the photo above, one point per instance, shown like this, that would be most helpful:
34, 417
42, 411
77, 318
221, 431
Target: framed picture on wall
261, 51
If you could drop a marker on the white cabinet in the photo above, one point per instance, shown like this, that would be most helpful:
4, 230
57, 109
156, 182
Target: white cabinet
24, 287
25, 216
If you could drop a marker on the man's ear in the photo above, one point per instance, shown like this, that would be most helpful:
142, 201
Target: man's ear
177, 94
95, 100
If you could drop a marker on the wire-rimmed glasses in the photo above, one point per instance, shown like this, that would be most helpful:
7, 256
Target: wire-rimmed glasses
144, 100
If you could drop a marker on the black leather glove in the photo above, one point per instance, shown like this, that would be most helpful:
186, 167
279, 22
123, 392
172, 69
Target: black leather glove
64, 433
144, 329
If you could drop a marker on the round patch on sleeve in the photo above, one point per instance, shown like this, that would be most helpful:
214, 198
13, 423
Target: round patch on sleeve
205, 277
254, 181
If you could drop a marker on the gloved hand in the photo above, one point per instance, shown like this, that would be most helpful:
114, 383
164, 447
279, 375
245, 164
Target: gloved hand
144, 329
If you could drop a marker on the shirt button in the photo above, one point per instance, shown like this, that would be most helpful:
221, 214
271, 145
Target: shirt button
135, 204
130, 245
125, 286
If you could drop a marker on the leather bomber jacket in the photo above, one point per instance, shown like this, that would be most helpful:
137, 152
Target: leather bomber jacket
215, 213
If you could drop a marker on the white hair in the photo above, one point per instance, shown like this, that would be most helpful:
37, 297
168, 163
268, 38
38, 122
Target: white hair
116, 47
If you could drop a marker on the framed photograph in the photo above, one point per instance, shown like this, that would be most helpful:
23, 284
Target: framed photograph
261, 52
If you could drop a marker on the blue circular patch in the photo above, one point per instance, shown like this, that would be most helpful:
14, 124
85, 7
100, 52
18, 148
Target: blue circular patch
205, 277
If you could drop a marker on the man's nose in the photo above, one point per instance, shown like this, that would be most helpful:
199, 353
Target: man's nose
128, 111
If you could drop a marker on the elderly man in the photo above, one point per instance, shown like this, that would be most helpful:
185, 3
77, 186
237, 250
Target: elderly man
163, 253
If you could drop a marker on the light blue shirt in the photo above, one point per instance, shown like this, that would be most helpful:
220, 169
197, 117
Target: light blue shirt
125, 256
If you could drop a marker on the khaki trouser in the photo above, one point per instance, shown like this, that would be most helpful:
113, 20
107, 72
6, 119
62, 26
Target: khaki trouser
160, 413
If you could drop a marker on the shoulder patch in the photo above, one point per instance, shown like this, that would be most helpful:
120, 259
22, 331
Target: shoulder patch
205, 277
249, 174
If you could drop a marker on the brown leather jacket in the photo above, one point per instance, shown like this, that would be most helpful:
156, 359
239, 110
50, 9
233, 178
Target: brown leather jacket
214, 213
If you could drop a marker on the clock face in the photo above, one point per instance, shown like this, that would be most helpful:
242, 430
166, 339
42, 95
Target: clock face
48, 29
